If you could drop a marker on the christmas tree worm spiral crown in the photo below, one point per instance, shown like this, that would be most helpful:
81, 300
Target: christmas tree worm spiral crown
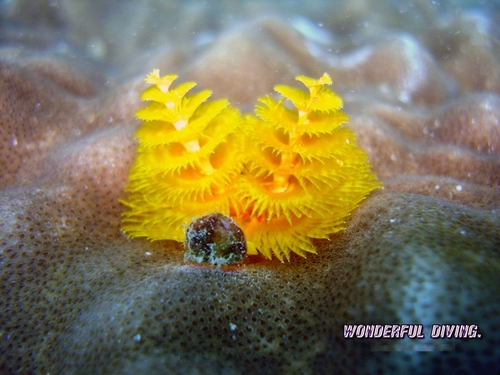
289, 174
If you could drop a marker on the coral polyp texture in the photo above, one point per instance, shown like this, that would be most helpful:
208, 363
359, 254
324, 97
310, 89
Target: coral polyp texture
300, 177
77, 296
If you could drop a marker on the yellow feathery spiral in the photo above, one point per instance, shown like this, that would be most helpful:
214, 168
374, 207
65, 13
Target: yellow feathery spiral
291, 174
188, 155
304, 173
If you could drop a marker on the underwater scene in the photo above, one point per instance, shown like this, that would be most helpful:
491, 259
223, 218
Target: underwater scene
249, 187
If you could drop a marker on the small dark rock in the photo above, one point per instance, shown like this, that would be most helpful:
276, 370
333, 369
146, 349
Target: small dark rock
214, 239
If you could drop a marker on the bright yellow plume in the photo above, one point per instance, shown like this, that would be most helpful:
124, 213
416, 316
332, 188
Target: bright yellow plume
291, 174
187, 158
304, 173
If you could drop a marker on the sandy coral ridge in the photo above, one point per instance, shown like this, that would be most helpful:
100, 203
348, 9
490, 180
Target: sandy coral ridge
420, 82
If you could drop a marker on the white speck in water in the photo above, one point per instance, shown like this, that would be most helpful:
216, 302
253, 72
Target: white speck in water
351, 59
232, 326
462, 232
147, 253
458, 187
392, 220
314, 49
137, 338
203, 38
96, 47
437, 187
86, 248
394, 157
110, 119
14, 141
311, 31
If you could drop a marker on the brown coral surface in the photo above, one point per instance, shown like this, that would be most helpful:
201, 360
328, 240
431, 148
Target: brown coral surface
421, 84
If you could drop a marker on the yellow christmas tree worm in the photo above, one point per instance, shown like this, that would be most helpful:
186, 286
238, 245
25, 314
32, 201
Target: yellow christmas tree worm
287, 176
304, 173
187, 157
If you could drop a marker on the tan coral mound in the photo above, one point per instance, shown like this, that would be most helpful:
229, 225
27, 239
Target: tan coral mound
77, 296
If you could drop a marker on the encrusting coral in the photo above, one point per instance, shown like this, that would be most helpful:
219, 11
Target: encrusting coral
286, 177
77, 296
